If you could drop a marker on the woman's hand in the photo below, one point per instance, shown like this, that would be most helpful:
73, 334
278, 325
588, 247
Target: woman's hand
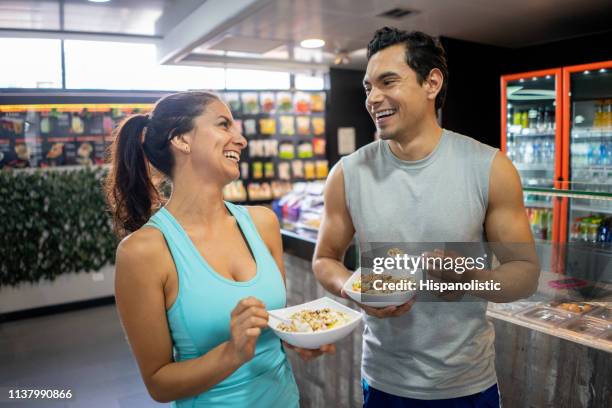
309, 354
248, 318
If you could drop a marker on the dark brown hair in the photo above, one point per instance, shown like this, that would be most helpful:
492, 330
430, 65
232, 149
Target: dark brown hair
142, 141
423, 53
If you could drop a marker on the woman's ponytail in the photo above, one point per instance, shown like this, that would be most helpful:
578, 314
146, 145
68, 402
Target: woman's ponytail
130, 191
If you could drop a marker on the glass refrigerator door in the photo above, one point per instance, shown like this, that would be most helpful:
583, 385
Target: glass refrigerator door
531, 139
588, 151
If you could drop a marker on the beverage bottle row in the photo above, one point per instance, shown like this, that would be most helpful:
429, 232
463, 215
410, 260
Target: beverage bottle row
540, 221
531, 151
540, 119
591, 154
592, 228
603, 114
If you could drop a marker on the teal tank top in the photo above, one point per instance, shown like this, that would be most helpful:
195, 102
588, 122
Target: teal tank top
199, 319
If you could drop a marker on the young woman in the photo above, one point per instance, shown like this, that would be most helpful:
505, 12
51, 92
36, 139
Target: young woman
195, 276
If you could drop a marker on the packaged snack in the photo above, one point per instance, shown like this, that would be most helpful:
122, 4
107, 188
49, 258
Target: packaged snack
318, 126
267, 126
257, 170
267, 102
232, 99
304, 150
297, 168
322, 169
301, 102
250, 127
286, 151
250, 103
318, 146
270, 148
269, 170
317, 102
283, 171
309, 170
284, 102
287, 126
256, 148
303, 125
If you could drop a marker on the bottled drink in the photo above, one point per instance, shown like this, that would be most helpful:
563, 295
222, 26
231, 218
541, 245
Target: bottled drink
603, 154
607, 116
540, 126
524, 120
597, 119
532, 115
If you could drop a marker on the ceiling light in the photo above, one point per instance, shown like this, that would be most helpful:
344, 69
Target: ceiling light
587, 72
312, 43
99, 1
603, 70
547, 76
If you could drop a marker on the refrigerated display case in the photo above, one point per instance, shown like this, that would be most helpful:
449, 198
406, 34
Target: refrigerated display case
580, 160
531, 138
587, 152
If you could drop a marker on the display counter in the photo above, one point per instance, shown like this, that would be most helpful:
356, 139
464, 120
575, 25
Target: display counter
537, 364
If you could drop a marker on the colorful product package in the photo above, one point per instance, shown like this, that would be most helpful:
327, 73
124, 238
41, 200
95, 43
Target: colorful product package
284, 102
301, 102
318, 126
286, 151
318, 146
287, 125
250, 103
303, 125
267, 126
317, 102
305, 150
267, 102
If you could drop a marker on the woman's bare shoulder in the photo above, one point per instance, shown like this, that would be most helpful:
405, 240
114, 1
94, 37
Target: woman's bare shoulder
145, 248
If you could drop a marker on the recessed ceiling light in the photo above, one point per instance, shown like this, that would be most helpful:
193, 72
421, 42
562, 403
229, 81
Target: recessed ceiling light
312, 43
99, 1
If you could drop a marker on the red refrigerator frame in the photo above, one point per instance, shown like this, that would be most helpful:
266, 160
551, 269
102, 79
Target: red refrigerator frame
557, 72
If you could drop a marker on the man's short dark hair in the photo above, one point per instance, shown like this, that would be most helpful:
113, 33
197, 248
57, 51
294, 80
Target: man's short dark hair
423, 53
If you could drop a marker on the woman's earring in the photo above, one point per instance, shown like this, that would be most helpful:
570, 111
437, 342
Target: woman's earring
186, 149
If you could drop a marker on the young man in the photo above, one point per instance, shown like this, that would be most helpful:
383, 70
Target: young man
422, 183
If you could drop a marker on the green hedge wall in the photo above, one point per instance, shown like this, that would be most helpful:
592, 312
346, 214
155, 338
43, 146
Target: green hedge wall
52, 223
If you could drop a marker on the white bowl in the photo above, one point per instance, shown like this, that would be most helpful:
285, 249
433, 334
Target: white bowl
380, 300
314, 340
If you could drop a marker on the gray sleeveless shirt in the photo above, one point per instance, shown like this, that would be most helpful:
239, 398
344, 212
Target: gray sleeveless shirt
437, 350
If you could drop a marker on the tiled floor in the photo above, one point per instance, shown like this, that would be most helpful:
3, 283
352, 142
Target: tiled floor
84, 351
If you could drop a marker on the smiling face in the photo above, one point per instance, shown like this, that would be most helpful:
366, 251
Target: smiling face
216, 144
396, 101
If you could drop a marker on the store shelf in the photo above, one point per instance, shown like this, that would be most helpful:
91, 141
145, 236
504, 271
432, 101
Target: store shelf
534, 167
555, 192
591, 209
538, 204
591, 133
531, 135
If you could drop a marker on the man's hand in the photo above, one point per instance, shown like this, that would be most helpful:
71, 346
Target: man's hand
310, 354
445, 275
384, 312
